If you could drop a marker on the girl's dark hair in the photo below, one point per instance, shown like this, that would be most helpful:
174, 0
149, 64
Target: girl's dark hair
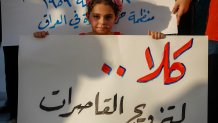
91, 5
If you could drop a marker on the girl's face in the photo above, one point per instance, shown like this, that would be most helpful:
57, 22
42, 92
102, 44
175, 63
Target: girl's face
102, 19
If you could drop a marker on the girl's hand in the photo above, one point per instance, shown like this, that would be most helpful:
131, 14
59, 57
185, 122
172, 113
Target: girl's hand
40, 34
156, 35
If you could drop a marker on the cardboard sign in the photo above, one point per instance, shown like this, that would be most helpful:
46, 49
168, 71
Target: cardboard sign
113, 79
61, 17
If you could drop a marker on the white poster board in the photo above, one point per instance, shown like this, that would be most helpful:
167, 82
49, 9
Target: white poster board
22, 17
65, 79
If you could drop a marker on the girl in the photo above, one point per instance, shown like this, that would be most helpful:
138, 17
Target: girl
102, 15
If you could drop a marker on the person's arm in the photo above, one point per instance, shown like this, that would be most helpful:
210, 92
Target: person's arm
180, 8
156, 35
40, 34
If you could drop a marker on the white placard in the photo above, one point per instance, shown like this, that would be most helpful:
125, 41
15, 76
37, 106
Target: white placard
61, 79
59, 17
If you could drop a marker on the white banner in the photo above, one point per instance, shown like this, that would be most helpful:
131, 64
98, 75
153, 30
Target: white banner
23, 17
113, 79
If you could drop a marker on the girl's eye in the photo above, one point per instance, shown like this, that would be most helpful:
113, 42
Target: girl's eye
108, 17
96, 16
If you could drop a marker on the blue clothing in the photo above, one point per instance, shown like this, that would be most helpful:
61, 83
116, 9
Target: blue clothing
213, 47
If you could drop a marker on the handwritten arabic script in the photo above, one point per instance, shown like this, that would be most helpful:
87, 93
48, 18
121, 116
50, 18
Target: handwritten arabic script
165, 64
117, 104
49, 21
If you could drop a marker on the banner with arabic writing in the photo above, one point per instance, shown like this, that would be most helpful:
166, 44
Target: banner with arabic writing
23, 17
113, 79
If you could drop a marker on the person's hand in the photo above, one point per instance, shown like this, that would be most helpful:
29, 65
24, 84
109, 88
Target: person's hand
180, 8
40, 34
156, 35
